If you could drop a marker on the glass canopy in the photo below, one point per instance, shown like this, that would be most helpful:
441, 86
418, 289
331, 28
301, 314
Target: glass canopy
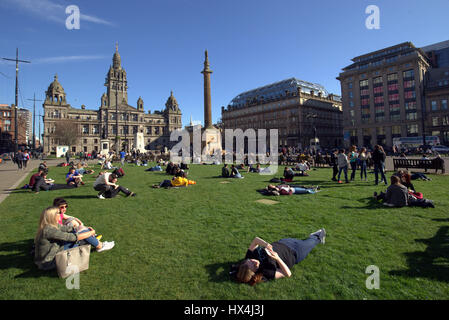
277, 90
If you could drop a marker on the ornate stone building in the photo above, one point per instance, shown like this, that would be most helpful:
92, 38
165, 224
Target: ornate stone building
115, 118
300, 110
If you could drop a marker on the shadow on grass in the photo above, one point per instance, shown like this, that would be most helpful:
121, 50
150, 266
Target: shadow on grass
219, 272
433, 263
81, 196
20, 257
370, 202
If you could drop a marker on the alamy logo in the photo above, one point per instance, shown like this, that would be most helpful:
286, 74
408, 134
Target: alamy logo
73, 20
373, 281
257, 151
373, 20
73, 280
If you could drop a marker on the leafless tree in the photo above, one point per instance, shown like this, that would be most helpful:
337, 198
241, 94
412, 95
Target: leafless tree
66, 132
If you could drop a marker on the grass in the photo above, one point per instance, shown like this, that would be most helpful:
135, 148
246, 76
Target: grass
180, 243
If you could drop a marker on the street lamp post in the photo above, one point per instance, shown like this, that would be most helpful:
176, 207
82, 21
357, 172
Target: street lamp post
34, 121
16, 131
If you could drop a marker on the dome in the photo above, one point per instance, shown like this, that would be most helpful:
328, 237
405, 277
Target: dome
55, 86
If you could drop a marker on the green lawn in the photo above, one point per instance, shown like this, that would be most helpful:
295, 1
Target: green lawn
180, 243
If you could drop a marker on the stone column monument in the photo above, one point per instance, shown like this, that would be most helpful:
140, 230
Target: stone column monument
139, 141
211, 137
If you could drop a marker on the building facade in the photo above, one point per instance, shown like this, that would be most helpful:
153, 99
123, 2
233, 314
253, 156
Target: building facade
114, 120
300, 111
384, 94
7, 128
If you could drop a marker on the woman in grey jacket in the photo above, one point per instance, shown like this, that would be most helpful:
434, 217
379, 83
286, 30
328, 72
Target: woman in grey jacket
52, 238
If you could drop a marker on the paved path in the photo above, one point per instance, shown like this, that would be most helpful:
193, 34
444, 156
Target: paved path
11, 177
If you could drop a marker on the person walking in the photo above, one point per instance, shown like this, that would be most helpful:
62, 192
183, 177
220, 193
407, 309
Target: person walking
379, 157
353, 158
342, 165
363, 158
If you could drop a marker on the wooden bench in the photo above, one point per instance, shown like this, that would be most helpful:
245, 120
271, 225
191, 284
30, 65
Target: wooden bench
418, 164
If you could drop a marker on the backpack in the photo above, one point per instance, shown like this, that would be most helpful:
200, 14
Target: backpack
119, 172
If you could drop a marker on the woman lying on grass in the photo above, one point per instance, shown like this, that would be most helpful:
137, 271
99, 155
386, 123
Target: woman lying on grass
264, 261
286, 190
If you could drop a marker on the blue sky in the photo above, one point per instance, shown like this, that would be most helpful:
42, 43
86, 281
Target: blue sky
251, 43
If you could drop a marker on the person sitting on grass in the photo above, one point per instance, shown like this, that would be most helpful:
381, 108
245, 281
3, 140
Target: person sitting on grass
397, 195
107, 186
225, 171
302, 167
264, 261
52, 238
76, 223
74, 178
255, 170
235, 172
81, 169
288, 175
42, 183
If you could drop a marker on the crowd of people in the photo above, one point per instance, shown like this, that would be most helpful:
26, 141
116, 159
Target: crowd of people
263, 261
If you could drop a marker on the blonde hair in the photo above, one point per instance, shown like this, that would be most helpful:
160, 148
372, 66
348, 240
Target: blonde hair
49, 217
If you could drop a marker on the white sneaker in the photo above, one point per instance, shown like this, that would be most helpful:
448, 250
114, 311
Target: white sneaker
321, 235
106, 246
100, 196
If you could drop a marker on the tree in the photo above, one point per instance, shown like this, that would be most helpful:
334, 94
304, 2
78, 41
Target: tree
66, 132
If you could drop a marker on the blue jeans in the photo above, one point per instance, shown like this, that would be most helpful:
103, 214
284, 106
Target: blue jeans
362, 169
379, 167
301, 247
345, 169
91, 240
354, 169
299, 190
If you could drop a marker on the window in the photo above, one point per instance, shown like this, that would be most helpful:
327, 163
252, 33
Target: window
435, 133
435, 121
412, 130
85, 141
392, 77
443, 104
409, 84
434, 105
412, 116
410, 105
408, 74
350, 85
86, 129
363, 83
410, 95
351, 103
396, 130
95, 129
377, 80
351, 95
445, 120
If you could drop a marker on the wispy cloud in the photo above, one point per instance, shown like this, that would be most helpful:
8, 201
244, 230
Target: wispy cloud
52, 11
64, 59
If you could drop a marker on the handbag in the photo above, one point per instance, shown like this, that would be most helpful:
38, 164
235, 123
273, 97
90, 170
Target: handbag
77, 257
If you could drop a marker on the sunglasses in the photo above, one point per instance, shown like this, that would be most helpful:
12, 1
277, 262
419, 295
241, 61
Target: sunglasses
63, 206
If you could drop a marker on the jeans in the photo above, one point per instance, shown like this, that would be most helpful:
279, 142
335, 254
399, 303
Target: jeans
353, 168
362, 169
379, 167
334, 172
345, 169
299, 190
91, 240
301, 247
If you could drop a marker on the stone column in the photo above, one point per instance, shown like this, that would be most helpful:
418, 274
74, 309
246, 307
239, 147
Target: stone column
207, 99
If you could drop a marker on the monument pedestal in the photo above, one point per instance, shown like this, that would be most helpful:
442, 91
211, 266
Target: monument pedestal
211, 143
104, 144
139, 142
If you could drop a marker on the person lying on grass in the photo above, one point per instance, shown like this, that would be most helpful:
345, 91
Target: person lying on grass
287, 190
264, 261
178, 181
52, 238
397, 195
107, 186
